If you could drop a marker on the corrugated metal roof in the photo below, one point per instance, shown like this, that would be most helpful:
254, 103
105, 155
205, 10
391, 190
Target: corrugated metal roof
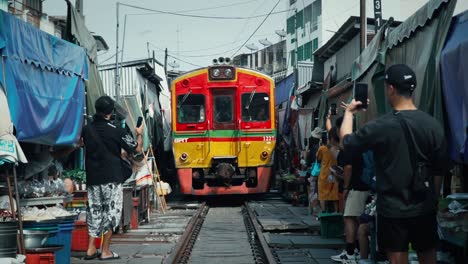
131, 81
304, 72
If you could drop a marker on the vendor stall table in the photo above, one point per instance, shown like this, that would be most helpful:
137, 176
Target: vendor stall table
143, 194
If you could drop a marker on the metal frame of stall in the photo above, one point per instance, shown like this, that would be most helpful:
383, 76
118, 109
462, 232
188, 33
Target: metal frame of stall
15, 214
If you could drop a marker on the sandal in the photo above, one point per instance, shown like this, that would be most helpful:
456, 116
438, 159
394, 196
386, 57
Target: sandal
114, 256
90, 257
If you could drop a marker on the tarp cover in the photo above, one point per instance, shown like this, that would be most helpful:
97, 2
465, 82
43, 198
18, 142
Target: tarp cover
79, 34
283, 89
454, 64
44, 79
10, 150
130, 103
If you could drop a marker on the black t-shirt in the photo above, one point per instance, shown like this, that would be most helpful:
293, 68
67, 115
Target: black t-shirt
386, 138
103, 163
348, 157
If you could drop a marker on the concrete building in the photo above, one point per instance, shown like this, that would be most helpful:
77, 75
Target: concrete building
315, 22
270, 60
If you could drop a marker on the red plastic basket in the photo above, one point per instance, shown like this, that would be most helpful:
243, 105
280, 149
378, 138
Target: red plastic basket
80, 237
40, 258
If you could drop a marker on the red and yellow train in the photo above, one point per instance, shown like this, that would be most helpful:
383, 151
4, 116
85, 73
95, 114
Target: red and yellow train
223, 129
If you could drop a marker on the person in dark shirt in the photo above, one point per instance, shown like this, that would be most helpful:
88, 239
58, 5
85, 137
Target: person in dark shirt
355, 194
404, 215
104, 142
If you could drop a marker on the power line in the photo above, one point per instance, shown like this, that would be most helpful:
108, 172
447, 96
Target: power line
196, 65
200, 16
198, 9
213, 54
109, 58
255, 31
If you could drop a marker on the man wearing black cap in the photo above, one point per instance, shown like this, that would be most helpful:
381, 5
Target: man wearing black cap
104, 142
410, 159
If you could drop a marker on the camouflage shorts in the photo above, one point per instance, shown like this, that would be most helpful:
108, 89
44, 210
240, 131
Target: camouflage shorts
104, 208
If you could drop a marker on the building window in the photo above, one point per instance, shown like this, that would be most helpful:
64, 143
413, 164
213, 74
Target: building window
35, 5
314, 44
300, 53
290, 25
307, 14
292, 2
316, 12
300, 19
293, 57
293, 40
308, 51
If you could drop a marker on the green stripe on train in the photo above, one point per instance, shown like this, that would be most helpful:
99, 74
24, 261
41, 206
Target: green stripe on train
225, 133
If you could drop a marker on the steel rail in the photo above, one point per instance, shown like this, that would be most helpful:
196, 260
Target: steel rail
187, 240
258, 230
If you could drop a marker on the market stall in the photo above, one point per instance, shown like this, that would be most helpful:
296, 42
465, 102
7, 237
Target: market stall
42, 89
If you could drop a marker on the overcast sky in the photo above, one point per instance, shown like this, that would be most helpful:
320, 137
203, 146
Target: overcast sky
193, 40
210, 38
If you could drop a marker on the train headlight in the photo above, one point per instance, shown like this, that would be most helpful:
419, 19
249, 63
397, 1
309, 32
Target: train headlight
228, 73
216, 72
221, 73
264, 155
184, 156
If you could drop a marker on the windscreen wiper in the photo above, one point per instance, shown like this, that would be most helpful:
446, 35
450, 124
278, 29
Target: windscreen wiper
184, 98
251, 98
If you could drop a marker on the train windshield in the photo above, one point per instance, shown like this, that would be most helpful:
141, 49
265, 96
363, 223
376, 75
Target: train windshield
223, 108
255, 107
191, 108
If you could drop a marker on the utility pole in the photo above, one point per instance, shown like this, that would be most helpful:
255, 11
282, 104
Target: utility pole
363, 25
117, 77
165, 61
296, 77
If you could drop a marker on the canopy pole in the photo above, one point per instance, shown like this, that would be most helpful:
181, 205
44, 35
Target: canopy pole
117, 79
12, 204
20, 218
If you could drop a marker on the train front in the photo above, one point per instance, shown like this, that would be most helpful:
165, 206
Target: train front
223, 131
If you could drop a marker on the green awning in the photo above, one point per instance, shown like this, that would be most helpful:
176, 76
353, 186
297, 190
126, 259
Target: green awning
416, 42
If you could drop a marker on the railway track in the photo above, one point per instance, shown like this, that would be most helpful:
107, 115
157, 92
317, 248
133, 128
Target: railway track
228, 234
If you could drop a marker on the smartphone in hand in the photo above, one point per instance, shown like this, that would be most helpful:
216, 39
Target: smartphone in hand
333, 109
140, 121
361, 94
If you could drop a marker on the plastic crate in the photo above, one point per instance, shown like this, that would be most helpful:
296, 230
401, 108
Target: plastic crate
80, 237
63, 237
331, 225
40, 258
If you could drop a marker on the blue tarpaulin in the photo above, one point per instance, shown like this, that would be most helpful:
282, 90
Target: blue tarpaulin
283, 89
454, 63
44, 79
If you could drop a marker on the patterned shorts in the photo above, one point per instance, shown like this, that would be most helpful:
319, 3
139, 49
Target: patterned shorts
104, 208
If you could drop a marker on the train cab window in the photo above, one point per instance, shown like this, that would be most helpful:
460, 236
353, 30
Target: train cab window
255, 107
223, 109
190, 108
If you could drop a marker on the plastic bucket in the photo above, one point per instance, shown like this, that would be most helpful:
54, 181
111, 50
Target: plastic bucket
63, 237
8, 235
